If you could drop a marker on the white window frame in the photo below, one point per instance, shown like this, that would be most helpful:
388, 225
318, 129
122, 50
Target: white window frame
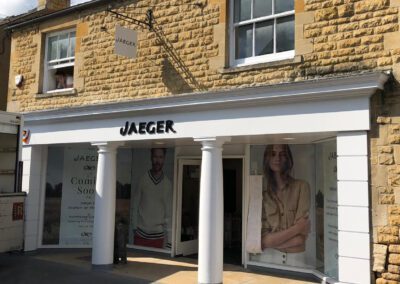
275, 56
64, 62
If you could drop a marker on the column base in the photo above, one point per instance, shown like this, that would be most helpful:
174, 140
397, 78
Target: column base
103, 267
210, 283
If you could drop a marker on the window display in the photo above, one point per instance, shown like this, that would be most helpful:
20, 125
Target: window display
327, 211
78, 194
70, 192
292, 217
151, 203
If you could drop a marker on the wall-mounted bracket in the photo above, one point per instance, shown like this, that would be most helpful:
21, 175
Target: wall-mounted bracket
146, 24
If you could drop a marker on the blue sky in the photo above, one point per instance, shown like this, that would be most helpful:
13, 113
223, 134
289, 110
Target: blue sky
16, 7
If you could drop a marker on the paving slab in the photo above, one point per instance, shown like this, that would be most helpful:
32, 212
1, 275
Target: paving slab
158, 268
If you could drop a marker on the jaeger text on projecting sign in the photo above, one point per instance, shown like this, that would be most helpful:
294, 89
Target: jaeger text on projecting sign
125, 42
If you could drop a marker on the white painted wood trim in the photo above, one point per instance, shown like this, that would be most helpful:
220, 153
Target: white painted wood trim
353, 216
362, 85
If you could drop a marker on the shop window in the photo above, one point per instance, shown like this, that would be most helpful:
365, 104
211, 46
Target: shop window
151, 201
143, 196
70, 194
292, 219
59, 61
261, 31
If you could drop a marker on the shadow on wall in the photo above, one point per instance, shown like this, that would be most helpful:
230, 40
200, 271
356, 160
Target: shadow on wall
173, 80
384, 105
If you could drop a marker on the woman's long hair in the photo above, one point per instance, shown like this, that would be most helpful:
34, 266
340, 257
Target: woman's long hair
269, 174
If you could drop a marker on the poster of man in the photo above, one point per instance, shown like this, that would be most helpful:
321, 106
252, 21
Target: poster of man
152, 199
281, 203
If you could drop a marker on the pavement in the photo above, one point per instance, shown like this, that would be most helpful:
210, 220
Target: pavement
73, 266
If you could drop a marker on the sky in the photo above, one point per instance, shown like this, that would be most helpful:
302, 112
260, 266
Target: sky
16, 7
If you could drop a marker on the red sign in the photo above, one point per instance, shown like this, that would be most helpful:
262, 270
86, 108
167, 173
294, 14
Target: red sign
18, 211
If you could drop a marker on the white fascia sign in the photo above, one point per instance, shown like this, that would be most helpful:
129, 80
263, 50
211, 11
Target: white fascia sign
125, 42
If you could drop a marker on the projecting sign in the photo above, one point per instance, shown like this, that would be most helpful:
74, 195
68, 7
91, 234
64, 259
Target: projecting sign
125, 42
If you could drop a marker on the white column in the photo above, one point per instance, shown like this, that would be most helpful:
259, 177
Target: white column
104, 212
211, 212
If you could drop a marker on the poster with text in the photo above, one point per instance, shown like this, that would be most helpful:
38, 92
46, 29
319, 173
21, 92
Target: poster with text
330, 209
78, 194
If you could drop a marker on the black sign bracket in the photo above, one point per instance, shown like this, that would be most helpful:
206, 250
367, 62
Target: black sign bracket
146, 24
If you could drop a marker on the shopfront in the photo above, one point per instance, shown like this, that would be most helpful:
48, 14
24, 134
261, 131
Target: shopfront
187, 175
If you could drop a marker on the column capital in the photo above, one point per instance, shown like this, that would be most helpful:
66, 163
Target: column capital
107, 146
212, 142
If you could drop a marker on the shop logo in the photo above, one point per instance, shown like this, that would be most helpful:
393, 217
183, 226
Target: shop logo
151, 127
26, 136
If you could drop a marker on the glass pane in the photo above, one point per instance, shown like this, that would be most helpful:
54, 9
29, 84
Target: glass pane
283, 6
53, 194
285, 34
242, 10
72, 44
190, 202
326, 209
264, 38
262, 8
52, 48
244, 41
63, 45
8, 154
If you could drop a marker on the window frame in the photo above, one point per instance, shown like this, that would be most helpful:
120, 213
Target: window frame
64, 62
275, 56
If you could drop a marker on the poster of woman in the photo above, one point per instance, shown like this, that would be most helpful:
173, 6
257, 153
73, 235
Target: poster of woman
286, 203
284, 206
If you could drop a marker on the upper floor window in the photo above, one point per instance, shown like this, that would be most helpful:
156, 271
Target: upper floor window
59, 61
261, 31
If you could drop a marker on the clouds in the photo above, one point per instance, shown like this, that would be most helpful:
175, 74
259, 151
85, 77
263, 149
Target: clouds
16, 7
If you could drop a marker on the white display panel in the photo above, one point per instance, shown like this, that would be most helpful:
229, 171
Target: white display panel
77, 203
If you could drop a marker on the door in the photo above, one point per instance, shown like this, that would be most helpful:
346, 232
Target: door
187, 228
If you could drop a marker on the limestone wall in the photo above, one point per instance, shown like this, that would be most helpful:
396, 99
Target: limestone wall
385, 183
4, 67
189, 51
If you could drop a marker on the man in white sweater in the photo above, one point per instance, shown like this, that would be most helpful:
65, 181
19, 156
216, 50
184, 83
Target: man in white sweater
152, 205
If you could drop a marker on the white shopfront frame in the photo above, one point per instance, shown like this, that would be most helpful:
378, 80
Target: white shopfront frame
353, 210
339, 105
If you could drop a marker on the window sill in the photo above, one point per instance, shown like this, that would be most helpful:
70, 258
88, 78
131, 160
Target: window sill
295, 60
55, 93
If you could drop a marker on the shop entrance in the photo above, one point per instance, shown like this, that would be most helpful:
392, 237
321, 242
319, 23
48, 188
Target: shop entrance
233, 189
188, 208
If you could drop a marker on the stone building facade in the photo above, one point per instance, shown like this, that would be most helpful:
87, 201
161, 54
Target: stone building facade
330, 38
188, 51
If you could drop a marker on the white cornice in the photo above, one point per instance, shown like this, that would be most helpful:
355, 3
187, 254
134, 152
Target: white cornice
360, 85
